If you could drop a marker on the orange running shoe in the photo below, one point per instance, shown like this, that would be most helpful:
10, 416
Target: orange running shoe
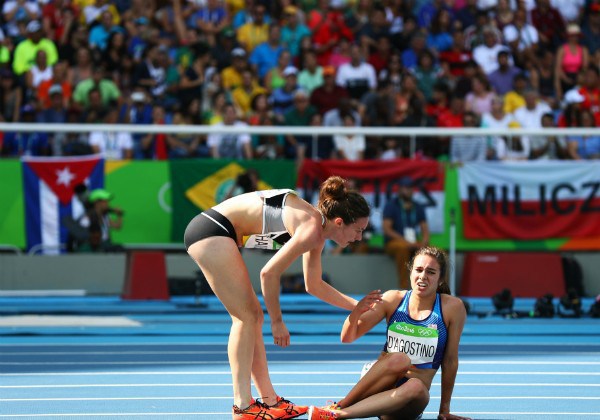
291, 410
258, 411
316, 413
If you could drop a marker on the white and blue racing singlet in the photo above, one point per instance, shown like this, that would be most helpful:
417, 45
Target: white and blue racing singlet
274, 234
423, 341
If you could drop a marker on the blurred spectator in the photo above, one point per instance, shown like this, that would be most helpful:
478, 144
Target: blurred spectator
427, 72
282, 98
59, 18
549, 24
570, 116
378, 106
453, 117
571, 58
530, 115
189, 81
339, 55
390, 150
522, 38
59, 78
479, 99
300, 115
108, 89
486, 54
328, 96
243, 94
571, 10
468, 148
253, 33
427, 12
213, 114
410, 56
136, 110
265, 56
211, 18
82, 68
26, 144
96, 109
293, 30
501, 79
274, 79
39, 71
591, 32
335, 117
425, 146
548, 147
405, 228
328, 27
357, 15
454, 59
513, 147
221, 53
230, 145
156, 145
503, 13
99, 34
475, 34
311, 76
244, 183
542, 78
381, 55
590, 90
321, 145
151, 73
118, 63
467, 14
244, 15
11, 96
266, 146
358, 77
440, 38
374, 30
515, 98
113, 145
185, 145
393, 72
584, 147
231, 76
26, 51
16, 13
496, 118
403, 98
55, 113
440, 100
349, 147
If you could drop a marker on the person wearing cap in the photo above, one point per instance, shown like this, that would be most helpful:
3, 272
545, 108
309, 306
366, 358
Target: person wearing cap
282, 98
293, 30
405, 228
101, 216
26, 50
327, 97
571, 58
231, 76
51, 86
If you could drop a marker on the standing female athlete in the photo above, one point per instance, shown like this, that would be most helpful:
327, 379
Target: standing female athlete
282, 221
424, 326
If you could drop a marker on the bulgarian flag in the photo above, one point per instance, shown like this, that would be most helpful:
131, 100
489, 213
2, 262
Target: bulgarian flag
378, 180
199, 184
48, 185
530, 200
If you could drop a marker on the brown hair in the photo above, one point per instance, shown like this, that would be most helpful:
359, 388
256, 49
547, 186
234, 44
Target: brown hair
336, 200
442, 258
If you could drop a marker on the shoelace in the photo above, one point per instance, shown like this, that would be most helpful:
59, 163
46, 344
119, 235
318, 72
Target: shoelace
288, 409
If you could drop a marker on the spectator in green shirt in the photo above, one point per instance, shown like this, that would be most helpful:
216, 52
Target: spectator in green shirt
27, 49
109, 91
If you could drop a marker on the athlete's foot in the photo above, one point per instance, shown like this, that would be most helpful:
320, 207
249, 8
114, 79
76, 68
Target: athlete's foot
291, 410
316, 413
258, 411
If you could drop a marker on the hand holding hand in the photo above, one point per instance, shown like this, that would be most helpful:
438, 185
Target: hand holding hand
368, 302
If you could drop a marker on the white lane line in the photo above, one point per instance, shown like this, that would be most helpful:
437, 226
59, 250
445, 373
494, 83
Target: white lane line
192, 385
157, 398
524, 373
226, 413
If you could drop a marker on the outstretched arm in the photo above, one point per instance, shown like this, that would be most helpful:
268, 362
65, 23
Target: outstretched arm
369, 311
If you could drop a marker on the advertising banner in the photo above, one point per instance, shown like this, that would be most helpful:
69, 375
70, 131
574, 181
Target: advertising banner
530, 200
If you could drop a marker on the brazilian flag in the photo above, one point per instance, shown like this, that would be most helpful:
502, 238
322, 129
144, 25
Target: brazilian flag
199, 184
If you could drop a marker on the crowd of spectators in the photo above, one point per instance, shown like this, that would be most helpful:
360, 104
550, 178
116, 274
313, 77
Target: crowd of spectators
395, 63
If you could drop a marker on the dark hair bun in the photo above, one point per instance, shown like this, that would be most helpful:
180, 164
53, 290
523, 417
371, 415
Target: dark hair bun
334, 188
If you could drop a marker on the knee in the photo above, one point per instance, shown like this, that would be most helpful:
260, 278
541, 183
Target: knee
416, 391
252, 316
397, 363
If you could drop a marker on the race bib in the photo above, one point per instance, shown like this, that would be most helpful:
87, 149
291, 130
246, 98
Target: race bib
419, 343
268, 241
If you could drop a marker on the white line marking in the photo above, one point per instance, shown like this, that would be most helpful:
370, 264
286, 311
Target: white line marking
524, 373
433, 397
228, 384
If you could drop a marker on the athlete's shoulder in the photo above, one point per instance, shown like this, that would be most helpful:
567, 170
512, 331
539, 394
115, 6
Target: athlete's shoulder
452, 306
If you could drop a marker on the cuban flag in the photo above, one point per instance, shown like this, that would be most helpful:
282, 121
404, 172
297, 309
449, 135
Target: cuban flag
49, 184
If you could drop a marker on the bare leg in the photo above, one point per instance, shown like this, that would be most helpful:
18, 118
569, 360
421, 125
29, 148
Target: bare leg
224, 269
405, 402
260, 370
382, 376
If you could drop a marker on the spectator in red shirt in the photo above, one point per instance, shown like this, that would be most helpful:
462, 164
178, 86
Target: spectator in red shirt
590, 90
327, 96
454, 60
328, 33
59, 17
549, 24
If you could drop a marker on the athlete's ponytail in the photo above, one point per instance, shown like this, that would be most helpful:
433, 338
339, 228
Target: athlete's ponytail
336, 200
